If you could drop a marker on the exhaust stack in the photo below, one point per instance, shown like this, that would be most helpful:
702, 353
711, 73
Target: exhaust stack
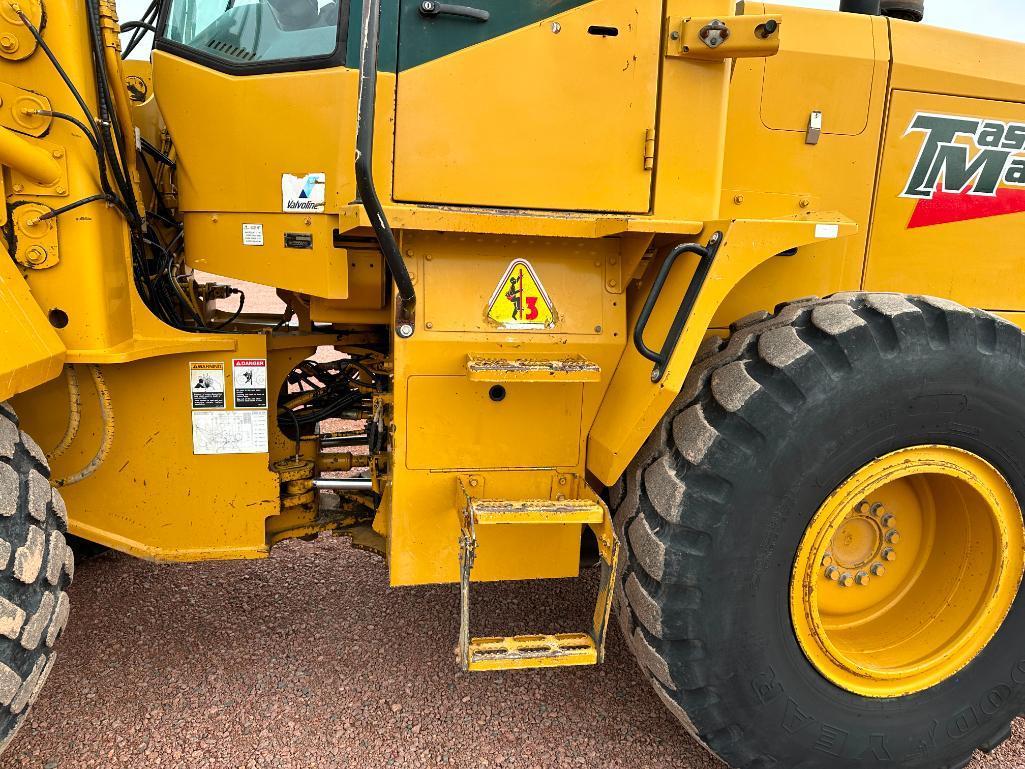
908, 10
868, 7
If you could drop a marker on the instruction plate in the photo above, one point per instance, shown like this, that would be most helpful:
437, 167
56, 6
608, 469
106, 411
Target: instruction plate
229, 432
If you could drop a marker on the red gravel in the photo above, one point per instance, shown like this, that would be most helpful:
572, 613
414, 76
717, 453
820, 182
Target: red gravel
308, 660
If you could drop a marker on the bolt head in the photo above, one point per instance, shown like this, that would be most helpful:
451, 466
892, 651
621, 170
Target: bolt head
862, 508
827, 560
18, 188
738, 199
877, 510
833, 574
674, 35
473, 481
888, 520
35, 255
556, 27
405, 330
862, 578
878, 570
889, 554
893, 536
846, 580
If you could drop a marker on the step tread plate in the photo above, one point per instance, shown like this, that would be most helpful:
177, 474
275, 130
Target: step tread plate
524, 511
532, 651
576, 368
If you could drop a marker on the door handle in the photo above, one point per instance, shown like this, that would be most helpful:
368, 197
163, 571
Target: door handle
430, 9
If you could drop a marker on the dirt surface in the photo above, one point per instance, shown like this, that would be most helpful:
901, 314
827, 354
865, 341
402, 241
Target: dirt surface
308, 660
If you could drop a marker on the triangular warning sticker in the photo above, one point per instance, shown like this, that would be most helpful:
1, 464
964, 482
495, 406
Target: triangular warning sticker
520, 301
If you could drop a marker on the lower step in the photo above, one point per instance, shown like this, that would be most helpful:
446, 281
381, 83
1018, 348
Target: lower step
532, 651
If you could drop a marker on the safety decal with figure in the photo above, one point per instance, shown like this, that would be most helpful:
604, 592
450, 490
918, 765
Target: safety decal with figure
520, 301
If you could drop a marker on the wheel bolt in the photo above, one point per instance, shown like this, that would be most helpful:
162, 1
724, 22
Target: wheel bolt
889, 554
827, 560
833, 574
863, 508
862, 578
877, 510
889, 520
846, 580
893, 536
878, 570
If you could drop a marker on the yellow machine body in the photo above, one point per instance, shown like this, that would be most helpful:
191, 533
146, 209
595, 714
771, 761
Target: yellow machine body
491, 168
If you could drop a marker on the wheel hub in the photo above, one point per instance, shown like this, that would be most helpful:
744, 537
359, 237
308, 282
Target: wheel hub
885, 612
862, 543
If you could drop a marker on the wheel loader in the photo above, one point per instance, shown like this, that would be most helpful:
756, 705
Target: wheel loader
722, 299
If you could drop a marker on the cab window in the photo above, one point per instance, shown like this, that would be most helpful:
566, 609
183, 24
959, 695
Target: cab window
245, 34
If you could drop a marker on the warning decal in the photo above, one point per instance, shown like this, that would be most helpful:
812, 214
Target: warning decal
206, 383
520, 301
249, 379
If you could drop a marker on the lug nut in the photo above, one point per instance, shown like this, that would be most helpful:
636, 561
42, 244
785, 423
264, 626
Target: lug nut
827, 560
833, 574
893, 536
878, 570
877, 510
889, 554
846, 580
888, 520
863, 508
862, 578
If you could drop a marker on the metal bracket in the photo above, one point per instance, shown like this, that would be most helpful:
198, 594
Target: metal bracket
814, 128
37, 242
16, 41
733, 37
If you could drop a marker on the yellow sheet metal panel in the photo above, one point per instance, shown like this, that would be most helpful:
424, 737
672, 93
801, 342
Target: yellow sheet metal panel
821, 50
548, 116
634, 404
689, 146
31, 353
154, 497
456, 278
458, 292
938, 205
529, 426
776, 174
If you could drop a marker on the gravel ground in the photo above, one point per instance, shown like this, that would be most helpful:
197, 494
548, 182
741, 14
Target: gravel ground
308, 660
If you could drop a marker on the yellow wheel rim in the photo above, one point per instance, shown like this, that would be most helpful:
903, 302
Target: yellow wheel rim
907, 571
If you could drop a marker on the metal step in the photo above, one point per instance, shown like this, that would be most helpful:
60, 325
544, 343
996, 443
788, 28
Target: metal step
531, 651
481, 368
520, 652
499, 511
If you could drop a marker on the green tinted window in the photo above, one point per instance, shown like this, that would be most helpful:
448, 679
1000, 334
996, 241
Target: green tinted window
255, 31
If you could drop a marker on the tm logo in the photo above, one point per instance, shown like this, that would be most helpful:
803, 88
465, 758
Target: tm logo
968, 168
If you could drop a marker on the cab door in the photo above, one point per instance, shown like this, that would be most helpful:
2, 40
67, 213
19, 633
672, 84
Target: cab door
543, 105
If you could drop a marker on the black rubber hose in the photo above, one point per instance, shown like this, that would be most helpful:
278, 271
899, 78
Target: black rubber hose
371, 32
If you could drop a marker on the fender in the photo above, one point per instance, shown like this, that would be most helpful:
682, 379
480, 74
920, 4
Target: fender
31, 353
634, 405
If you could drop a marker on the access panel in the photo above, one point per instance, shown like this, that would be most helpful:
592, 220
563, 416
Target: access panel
544, 104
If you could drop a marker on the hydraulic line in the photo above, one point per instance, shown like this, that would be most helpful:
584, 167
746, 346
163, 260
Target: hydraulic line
106, 439
74, 414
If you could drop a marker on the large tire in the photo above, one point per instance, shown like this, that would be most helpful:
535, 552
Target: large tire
36, 566
713, 510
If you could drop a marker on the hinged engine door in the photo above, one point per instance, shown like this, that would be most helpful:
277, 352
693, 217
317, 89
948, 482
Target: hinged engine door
545, 105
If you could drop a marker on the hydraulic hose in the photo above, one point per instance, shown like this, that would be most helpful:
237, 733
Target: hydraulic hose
370, 38
107, 437
74, 414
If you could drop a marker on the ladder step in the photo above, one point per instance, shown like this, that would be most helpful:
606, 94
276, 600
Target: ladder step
571, 369
532, 651
501, 511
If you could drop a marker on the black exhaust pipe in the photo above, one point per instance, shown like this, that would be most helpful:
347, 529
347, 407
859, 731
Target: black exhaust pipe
908, 10
868, 7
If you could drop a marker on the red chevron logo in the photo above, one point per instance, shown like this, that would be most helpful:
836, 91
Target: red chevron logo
947, 207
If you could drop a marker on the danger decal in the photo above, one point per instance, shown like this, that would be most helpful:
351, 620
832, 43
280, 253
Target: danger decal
968, 168
520, 301
249, 381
